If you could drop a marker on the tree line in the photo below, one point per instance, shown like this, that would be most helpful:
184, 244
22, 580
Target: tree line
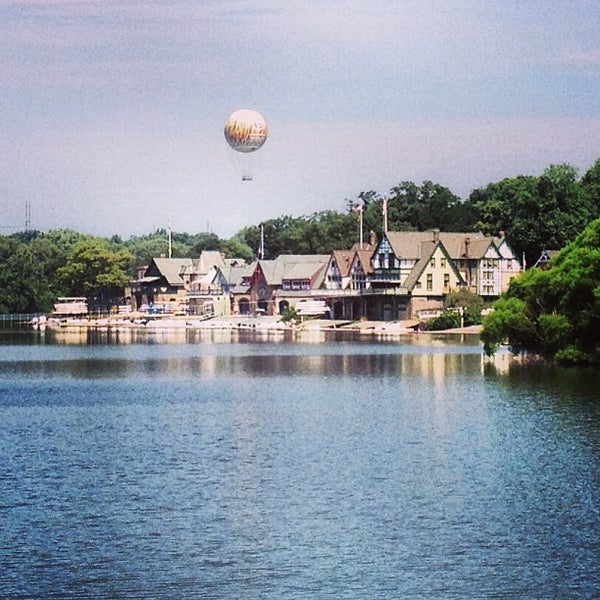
534, 212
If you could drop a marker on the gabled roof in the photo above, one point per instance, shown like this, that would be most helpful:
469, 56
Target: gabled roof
427, 250
236, 272
545, 257
364, 257
293, 266
171, 269
504, 247
207, 260
214, 275
407, 244
466, 245
204, 263
416, 273
343, 260
235, 275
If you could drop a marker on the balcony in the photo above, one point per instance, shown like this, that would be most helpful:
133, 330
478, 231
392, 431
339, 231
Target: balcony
386, 275
206, 293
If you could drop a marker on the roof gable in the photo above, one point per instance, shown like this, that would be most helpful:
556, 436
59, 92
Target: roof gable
294, 266
460, 245
169, 268
428, 250
207, 260
363, 258
504, 248
343, 259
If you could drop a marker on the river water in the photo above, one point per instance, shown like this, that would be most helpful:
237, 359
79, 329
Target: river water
249, 465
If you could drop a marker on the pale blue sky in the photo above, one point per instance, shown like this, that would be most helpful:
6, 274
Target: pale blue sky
112, 111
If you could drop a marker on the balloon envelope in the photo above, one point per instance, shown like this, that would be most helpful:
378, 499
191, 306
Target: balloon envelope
245, 130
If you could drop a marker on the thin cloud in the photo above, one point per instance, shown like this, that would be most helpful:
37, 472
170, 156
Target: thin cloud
121, 103
580, 58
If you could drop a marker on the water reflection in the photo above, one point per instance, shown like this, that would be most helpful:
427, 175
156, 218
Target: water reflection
179, 336
527, 379
278, 468
434, 367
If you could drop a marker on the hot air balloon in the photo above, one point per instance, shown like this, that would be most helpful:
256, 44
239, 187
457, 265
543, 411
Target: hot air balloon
245, 132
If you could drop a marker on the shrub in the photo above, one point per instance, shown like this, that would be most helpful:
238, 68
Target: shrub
447, 320
289, 314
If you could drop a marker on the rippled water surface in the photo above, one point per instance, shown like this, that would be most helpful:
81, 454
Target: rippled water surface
240, 465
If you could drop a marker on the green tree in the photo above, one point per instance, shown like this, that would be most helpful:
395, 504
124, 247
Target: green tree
590, 188
10, 294
27, 282
537, 213
427, 206
333, 231
96, 269
555, 312
511, 322
412, 207
285, 235
206, 241
234, 247
471, 303
145, 248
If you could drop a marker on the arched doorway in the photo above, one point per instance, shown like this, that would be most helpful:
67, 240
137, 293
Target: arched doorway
244, 306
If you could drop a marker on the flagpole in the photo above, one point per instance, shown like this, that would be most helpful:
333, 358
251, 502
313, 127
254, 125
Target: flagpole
262, 242
170, 238
359, 210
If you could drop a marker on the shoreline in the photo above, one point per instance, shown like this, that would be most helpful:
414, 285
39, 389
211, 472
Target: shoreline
242, 322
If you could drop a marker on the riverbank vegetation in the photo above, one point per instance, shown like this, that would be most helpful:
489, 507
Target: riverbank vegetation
462, 308
555, 312
534, 212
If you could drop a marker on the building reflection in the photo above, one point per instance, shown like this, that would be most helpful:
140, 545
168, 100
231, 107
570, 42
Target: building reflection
241, 353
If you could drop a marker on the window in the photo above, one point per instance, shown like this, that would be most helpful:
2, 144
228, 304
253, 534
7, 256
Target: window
443, 262
295, 284
432, 262
446, 280
429, 282
359, 281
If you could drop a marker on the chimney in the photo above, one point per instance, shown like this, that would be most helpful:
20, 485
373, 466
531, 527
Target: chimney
436, 235
373, 239
467, 245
